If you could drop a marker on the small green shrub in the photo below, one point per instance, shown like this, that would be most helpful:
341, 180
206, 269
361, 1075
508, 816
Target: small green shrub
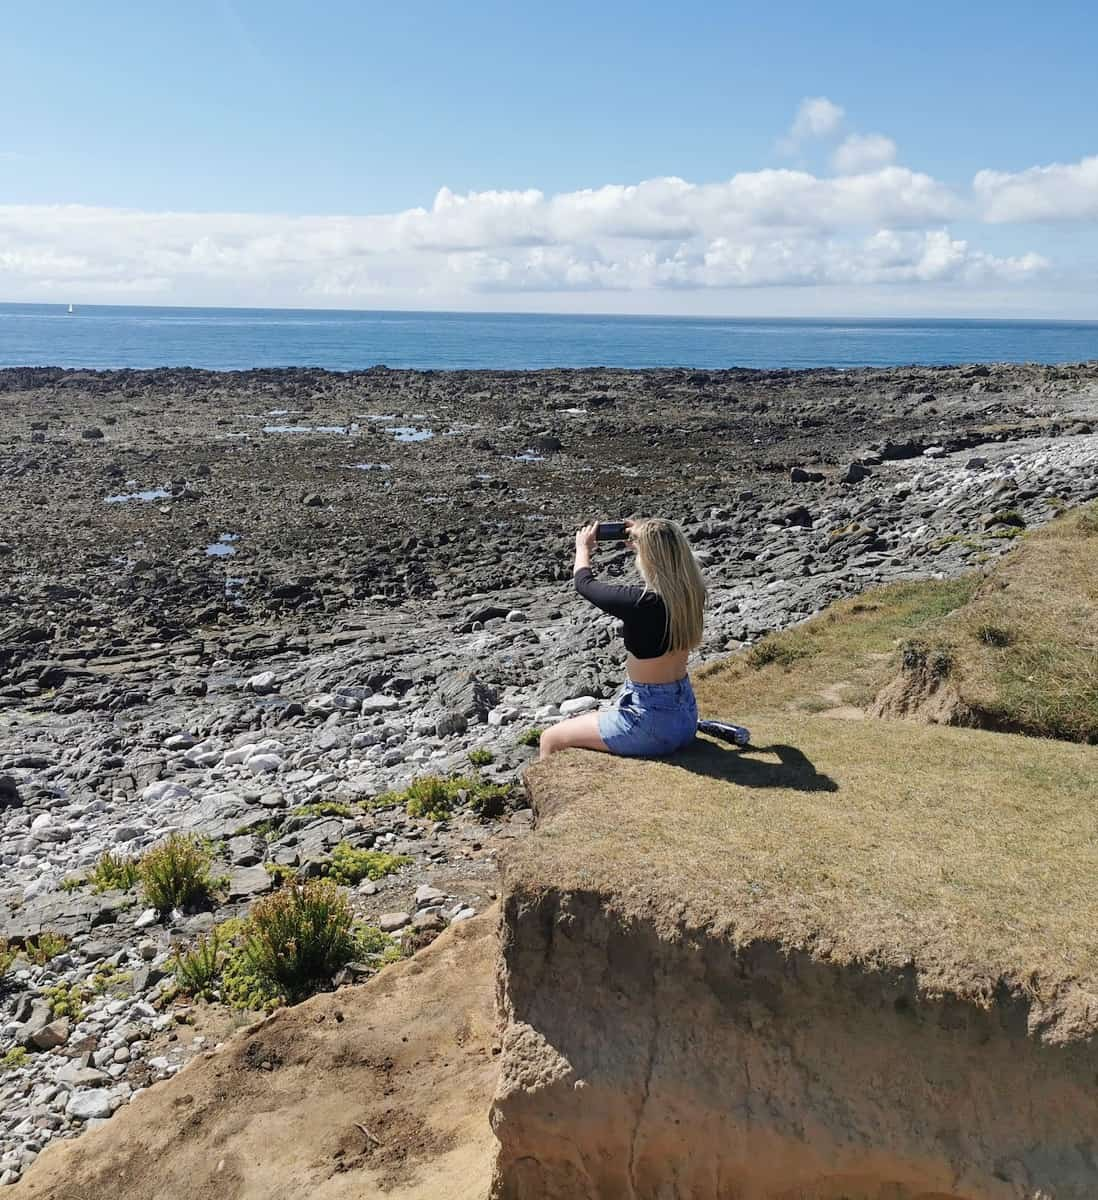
480, 757
196, 970
323, 808
45, 946
7, 957
107, 979
115, 871
530, 737
489, 800
176, 874
67, 1000
296, 939
16, 1057
241, 986
350, 865
432, 797
371, 943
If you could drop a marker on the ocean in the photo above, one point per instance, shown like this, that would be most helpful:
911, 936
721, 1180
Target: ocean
224, 339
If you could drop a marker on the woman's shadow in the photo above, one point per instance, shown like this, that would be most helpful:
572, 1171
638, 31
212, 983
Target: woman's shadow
793, 770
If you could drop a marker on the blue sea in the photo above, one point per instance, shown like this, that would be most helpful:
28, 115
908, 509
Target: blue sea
225, 339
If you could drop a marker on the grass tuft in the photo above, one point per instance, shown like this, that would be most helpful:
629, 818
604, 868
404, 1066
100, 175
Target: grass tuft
196, 970
296, 939
114, 871
480, 757
44, 946
176, 873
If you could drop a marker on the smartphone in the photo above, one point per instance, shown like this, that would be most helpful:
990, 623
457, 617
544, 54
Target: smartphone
610, 531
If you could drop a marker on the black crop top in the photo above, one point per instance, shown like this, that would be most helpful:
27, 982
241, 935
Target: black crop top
644, 613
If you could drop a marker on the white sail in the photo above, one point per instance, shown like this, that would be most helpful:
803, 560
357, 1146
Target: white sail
70, 308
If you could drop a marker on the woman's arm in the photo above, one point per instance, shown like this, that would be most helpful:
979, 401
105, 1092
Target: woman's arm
585, 543
611, 598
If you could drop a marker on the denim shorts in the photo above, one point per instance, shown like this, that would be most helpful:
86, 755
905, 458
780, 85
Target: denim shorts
647, 720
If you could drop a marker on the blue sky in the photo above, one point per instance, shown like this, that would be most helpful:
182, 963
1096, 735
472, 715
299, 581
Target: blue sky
289, 110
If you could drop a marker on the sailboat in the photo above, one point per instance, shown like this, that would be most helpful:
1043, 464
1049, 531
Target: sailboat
70, 308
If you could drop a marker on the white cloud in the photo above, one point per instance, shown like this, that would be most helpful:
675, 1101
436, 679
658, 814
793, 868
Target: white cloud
1059, 192
770, 228
863, 152
817, 117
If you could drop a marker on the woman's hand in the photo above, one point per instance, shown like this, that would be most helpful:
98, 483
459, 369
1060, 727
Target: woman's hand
585, 538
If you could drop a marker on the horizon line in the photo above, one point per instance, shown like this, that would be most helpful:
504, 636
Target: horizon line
457, 312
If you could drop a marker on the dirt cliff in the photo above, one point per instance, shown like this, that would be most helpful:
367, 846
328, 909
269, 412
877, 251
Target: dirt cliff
769, 986
381, 1089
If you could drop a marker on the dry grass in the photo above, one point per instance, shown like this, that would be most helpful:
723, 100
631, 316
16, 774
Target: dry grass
1019, 643
840, 657
969, 854
1024, 650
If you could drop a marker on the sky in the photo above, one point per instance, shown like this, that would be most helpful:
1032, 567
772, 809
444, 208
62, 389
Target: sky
786, 159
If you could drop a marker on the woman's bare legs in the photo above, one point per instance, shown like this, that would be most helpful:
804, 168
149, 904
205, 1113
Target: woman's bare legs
582, 731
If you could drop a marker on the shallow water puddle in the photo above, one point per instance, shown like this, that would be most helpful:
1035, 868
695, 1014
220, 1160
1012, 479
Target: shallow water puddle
149, 494
342, 429
223, 547
368, 466
529, 456
409, 433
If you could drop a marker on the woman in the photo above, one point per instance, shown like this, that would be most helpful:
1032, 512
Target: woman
655, 712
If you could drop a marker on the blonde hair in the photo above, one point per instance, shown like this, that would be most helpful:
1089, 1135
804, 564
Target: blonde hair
669, 568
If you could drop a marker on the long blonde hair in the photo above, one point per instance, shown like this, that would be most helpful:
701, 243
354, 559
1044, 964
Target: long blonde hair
669, 568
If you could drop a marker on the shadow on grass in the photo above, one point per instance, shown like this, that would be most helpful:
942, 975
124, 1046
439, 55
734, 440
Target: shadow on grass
793, 770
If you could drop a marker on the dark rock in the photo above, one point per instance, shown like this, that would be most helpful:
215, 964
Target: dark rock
800, 475
797, 515
246, 882
464, 693
9, 793
66, 913
93, 434
855, 473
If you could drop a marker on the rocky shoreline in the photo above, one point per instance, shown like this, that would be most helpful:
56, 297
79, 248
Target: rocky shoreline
230, 595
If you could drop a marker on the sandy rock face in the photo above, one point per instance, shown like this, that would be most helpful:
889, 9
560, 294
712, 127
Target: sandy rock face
645, 1063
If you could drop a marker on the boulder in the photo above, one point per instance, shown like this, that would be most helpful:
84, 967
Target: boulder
468, 695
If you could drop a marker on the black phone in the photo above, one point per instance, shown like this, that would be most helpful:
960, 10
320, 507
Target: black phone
610, 531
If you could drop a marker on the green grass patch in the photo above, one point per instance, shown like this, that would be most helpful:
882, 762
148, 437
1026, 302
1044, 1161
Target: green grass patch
323, 808
530, 737
16, 1057
480, 757
8, 955
349, 865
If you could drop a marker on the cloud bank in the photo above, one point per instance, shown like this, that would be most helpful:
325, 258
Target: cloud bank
870, 224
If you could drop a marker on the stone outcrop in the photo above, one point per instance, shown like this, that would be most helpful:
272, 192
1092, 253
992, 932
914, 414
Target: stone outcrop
660, 1046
